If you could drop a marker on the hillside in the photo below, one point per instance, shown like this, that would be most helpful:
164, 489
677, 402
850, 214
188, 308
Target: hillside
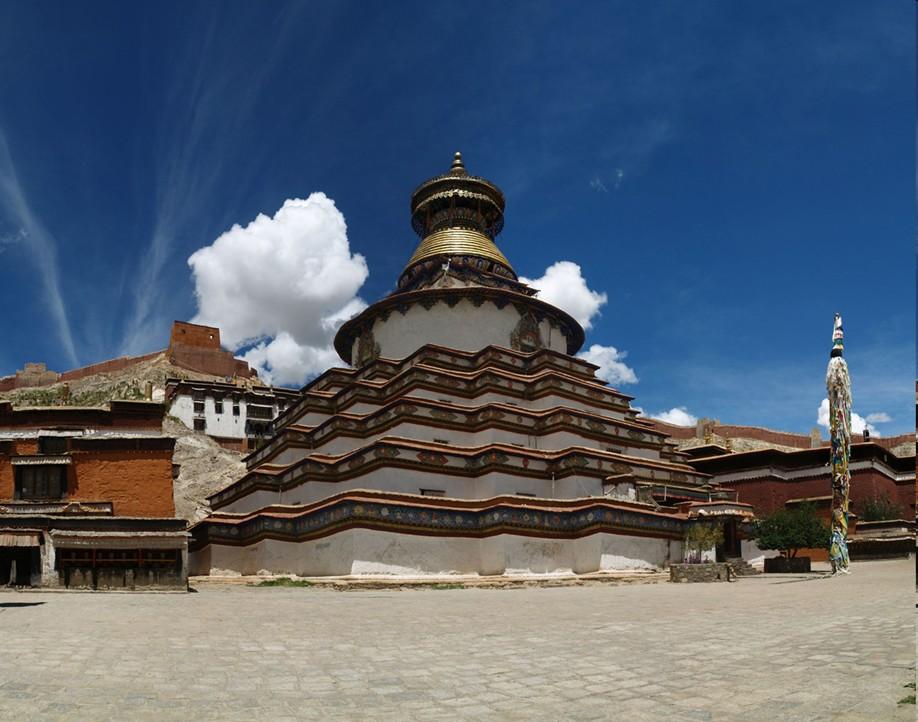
205, 467
100, 388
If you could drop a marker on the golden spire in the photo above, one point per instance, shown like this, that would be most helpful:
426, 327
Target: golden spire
457, 168
457, 216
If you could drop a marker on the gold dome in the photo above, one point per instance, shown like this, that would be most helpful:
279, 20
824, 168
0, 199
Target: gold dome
458, 242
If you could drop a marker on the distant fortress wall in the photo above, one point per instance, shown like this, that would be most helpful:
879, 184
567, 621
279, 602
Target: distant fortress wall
706, 427
32, 374
105, 367
191, 346
197, 348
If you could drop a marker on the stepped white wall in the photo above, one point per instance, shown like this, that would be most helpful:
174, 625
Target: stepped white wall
408, 481
365, 552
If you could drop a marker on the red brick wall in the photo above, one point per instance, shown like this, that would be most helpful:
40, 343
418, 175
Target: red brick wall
192, 334
203, 360
105, 367
768, 495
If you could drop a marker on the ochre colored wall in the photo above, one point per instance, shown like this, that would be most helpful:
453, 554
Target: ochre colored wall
138, 483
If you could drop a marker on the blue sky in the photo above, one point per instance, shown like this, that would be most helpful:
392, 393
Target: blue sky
729, 174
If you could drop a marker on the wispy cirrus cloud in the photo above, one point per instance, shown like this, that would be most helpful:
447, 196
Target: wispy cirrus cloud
38, 241
209, 100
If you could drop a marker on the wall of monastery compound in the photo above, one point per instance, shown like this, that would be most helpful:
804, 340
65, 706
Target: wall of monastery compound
372, 553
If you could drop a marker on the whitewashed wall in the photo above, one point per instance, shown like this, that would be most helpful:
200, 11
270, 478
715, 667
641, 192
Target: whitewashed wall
464, 326
409, 481
367, 552
225, 424
548, 442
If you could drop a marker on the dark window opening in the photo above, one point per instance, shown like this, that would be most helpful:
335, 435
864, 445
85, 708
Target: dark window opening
254, 411
200, 425
52, 444
433, 492
199, 407
218, 406
41, 482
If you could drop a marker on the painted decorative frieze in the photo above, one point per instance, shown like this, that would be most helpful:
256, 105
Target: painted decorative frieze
526, 335
367, 347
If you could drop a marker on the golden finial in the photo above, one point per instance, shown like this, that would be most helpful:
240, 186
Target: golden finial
457, 168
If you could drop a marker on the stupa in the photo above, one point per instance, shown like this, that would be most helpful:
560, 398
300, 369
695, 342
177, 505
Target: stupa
466, 438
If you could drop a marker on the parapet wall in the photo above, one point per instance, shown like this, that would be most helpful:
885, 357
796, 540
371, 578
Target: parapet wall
208, 361
32, 374
768, 436
193, 334
106, 367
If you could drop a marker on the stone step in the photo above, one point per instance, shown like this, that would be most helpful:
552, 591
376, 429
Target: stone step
741, 567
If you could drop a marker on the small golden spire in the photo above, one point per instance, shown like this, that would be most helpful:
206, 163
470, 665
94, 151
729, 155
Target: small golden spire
457, 168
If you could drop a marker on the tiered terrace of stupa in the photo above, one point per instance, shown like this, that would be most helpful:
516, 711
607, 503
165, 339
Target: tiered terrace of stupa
468, 439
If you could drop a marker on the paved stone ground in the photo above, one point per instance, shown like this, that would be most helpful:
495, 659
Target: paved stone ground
778, 648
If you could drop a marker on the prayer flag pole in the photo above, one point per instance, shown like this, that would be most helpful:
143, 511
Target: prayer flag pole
838, 385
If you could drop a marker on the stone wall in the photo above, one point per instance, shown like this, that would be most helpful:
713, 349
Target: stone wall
709, 572
32, 374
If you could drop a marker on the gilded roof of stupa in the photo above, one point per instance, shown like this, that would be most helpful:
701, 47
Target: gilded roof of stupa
458, 216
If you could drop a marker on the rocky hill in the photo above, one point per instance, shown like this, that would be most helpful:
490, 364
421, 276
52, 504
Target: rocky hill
205, 467
100, 388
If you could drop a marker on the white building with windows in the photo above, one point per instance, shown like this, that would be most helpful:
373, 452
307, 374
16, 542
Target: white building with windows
236, 416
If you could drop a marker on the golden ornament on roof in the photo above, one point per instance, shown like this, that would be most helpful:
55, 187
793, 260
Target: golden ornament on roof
458, 215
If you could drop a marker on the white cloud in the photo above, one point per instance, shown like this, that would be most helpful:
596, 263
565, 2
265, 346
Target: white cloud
11, 239
285, 284
563, 285
880, 417
678, 415
858, 422
597, 185
282, 360
610, 360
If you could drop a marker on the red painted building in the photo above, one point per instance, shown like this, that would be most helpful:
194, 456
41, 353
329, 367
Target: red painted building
86, 498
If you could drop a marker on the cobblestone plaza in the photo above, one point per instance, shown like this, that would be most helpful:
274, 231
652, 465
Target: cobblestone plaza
763, 648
